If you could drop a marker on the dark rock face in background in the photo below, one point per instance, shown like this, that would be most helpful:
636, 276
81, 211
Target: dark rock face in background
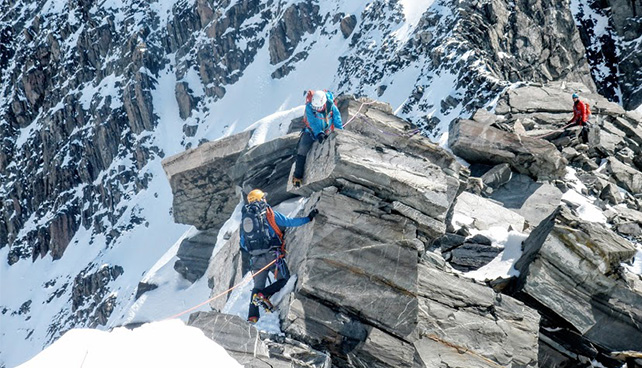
613, 51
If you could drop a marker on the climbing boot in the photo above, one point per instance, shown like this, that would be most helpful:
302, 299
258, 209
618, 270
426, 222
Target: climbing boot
261, 300
296, 182
252, 320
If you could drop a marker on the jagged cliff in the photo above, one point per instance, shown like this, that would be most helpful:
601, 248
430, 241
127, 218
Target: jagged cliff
95, 94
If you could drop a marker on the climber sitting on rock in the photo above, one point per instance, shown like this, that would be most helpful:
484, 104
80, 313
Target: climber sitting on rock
321, 117
262, 239
581, 114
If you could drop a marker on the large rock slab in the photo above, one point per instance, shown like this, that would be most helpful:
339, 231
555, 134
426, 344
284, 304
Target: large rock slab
374, 119
203, 191
570, 267
267, 166
194, 255
532, 200
393, 175
625, 176
464, 324
354, 256
479, 143
226, 270
245, 343
486, 213
556, 98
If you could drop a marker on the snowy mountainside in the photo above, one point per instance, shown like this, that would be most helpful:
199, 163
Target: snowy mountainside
612, 34
95, 94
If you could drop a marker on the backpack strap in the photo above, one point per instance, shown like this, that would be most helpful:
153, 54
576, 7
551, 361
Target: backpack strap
275, 227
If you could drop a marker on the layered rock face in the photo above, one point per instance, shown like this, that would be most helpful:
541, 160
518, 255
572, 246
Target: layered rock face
573, 269
366, 291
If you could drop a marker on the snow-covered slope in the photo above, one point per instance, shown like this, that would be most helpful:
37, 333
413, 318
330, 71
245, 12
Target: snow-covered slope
160, 344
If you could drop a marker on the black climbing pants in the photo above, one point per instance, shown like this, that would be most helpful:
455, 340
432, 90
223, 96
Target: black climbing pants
257, 263
305, 144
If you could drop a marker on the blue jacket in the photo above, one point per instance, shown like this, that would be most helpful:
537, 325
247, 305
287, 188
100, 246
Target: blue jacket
281, 221
322, 121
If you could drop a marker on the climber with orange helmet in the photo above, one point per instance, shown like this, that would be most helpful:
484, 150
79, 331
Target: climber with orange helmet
262, 239
321, 117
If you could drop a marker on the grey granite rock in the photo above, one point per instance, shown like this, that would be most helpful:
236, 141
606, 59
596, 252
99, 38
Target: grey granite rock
478, 143
570, 267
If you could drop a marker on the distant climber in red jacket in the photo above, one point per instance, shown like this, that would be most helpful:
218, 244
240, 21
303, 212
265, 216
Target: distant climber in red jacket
580, 117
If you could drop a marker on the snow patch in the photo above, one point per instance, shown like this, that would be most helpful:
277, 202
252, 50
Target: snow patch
501, 266
159, 344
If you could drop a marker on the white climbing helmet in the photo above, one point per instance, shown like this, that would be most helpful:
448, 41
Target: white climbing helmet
318, 100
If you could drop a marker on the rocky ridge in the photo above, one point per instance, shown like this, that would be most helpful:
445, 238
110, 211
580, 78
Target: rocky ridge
371, 276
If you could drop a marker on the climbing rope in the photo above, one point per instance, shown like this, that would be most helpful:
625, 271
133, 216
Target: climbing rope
407, 134
554, 131
243, 282
358, 112
462, 349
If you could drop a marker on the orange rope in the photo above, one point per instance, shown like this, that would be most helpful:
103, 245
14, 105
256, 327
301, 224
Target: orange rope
221, 294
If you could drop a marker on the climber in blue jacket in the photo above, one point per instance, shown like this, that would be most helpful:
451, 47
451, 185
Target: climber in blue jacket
262, 240
321, 117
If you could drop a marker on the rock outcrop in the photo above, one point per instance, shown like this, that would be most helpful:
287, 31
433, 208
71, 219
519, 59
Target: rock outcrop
366, 291
194, 255
486, 144
245, 343
573, 269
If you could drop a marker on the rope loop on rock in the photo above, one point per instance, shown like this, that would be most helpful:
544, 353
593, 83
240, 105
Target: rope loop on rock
407, 134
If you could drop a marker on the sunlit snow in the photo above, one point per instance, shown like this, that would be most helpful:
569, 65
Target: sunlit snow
159, 344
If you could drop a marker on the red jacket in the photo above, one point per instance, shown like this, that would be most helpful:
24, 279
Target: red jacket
580, 115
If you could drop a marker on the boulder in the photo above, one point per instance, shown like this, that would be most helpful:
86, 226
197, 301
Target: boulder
570, 267
393, 175
478, 143
471, 256
625, 176
532, 200
204, 193
487, 213
497, 176
449, 241
556, 98
244, 343
194, 255
464, 324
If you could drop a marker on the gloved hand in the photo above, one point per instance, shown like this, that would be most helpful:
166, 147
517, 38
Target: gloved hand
321, 137
313, 214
